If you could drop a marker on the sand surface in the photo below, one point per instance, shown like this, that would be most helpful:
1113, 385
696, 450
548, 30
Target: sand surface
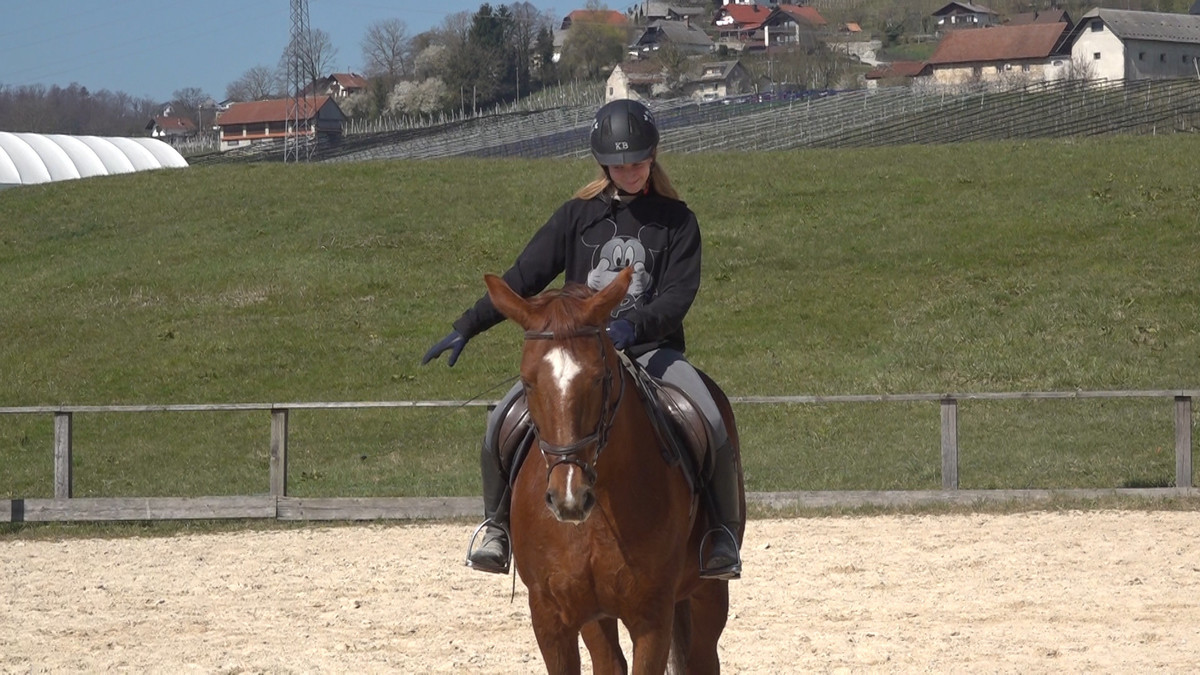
1112, 592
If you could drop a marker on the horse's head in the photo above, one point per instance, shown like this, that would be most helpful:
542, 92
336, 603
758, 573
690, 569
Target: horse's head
572, 381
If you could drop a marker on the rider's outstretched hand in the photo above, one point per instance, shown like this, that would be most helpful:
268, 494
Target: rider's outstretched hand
453, 342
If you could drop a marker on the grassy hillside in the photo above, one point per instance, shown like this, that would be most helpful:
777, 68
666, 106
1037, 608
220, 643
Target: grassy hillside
988, 267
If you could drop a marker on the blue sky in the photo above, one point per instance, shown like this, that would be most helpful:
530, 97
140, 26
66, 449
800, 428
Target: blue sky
152, 49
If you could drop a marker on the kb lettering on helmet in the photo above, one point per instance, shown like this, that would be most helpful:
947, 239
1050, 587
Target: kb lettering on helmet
621, 145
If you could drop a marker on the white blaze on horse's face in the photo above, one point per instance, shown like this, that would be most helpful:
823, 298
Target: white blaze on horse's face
564, 368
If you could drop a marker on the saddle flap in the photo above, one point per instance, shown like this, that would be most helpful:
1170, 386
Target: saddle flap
689, 423
514, 435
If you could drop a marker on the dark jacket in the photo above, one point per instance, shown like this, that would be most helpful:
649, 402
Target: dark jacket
590, 240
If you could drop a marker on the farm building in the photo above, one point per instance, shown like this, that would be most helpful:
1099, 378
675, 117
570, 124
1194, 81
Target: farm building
1114, 44
246, 123
1001, 54
170, 126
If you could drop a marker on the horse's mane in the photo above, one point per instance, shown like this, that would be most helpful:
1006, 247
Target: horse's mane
562, 308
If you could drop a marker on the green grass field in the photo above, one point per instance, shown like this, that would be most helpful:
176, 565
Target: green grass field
1033, 266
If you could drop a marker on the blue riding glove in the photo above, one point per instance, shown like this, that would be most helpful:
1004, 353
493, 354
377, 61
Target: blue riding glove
454, 342
621, 333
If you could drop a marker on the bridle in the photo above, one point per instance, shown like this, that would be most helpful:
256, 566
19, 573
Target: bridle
567, 454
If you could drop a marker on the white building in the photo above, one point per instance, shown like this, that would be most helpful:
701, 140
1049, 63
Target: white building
1116, 44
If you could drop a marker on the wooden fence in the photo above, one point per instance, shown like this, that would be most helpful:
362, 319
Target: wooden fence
278, 505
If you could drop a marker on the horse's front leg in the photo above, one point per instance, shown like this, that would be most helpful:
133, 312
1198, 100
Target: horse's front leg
559, 642
604, 646
652, 642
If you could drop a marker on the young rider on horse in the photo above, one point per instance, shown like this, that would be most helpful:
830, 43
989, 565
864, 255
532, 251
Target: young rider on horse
630, 216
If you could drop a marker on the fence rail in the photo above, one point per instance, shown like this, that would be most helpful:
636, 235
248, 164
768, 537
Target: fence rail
278, 505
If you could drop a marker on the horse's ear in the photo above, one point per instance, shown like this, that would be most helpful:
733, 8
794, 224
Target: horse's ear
508, 301
601, 305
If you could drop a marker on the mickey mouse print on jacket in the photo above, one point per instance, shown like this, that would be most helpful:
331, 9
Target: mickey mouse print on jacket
590, 241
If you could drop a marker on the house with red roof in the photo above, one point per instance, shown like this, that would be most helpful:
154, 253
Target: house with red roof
608, 17
739, 26
171, 127
1001, 54
794, 26
339, 85
243, 124
894, 74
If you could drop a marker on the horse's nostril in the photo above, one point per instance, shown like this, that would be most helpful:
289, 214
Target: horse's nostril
549, 499
589, 500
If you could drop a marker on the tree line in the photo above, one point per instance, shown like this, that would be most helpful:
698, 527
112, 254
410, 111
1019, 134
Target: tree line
74, 110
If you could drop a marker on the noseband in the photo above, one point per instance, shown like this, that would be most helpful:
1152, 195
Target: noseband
566, 454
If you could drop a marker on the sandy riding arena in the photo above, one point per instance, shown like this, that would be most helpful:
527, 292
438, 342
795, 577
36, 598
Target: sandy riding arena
1115, 592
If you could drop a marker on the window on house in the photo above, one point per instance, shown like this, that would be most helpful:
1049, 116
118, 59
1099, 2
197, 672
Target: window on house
1025, 67
1141, 56
1162, 58
1097, 26
977, 71
1096, 56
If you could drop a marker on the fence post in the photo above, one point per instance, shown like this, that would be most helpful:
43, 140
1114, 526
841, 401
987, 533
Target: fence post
1183, 441
949, 444
62, 455
279, 452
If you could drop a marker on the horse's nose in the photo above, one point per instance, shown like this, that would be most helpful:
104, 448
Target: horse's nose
574, 508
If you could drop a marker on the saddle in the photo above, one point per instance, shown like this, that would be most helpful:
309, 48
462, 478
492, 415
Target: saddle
682, 430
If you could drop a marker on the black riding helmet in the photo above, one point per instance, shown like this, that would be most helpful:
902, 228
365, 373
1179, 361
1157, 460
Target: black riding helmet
623, 133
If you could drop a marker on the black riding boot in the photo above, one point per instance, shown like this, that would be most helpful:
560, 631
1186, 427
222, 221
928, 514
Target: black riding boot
724, 499
493, 552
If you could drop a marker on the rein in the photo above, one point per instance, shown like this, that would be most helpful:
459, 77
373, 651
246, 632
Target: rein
565, 454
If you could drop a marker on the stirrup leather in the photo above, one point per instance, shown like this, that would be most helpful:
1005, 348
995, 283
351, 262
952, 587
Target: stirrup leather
731, 571
471, 547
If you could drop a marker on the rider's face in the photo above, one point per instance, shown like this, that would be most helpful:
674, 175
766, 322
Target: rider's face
631, 177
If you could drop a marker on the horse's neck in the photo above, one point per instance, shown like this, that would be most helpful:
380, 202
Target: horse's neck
635, 441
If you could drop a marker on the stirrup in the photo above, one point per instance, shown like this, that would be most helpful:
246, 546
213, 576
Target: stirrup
502, 569
728, 572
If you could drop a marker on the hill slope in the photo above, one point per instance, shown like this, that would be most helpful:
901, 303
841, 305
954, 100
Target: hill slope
1044, 265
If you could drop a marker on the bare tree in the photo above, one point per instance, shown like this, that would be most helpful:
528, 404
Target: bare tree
526, 24
256, 84
189, 98
386, 49
315, 52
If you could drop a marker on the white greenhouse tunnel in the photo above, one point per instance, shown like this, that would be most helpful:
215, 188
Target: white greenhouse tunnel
28, 159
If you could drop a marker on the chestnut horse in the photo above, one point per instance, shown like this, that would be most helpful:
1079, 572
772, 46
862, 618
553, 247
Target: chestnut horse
605, 529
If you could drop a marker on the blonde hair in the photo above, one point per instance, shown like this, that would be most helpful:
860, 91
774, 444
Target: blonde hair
658, 183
